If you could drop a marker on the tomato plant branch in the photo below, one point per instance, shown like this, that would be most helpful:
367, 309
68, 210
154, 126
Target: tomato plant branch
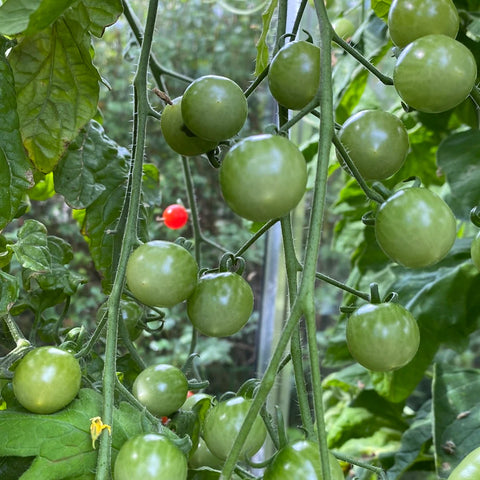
385, 79
262, 230
367, 466
475, 95
342, 286
141, 113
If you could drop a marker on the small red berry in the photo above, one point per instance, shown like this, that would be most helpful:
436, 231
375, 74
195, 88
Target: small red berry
175, 216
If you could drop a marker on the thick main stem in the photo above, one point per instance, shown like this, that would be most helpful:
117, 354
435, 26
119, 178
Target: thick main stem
129, 238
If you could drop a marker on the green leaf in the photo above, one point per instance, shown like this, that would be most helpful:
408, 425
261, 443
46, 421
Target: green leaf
61, 441
16, 176
415, 443
57, 89
95, 16
9, 290
30, 16
31, 248
381, 7
456, 413
262, 59
458, 156
107, 165
44, 187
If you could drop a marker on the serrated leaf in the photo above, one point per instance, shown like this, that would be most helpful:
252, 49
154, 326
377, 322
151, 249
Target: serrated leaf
31, 248
9, 290
57, 89
262, 59
16, 175
456, 414
96, 16
458, 156
61, 441
381, 8
27, 16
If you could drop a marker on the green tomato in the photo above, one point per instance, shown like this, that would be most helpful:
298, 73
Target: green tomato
214, 108
475, 251
434, 73
221, 304
415, 227
203, 457
343, 27
300, 461
263, 177
222, 424
46, 379
162, 389
294, 74
382, 337
468, 468
377, 143
161, 274
131, 312
412, 19
178, 137
150, 457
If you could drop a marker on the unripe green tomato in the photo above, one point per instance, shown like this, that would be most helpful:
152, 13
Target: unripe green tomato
162, 389
221, 304
222, 424
214, 108
343, 27
161, 274
475, 251
468, 468
263, 177
46, 379
203, 457
294, 74
178, 137
412, 19
131, 313
382, 337
377, 143
434, 73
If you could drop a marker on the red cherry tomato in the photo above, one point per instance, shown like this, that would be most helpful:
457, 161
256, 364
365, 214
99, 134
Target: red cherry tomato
175, 216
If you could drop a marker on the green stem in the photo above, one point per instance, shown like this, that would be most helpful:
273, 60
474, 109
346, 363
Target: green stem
265, 227
342, 286
385, 79
141, 113
475, 95
15, 332
354, 461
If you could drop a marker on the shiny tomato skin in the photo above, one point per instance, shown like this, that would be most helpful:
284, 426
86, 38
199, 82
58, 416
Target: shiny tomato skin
377, 143
382, 337
203, 457
412, 19
161, 388
475, 251
415, 227
434, 73
214, 108
222, 424
344, 28
46, 379
150, 457
178, 137
468, 468
294, 74
175, 216
161, 273
221, 304
263, 177
300, 461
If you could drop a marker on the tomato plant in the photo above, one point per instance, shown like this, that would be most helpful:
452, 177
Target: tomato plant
46, 379
434, 60
475, 251
161, 388
175, 216
221, 304
178, 137
203, 457
294, 74
377, 143
149, 457
214, 108
161, 273
415, 227
382, 337
222, 424
263, 177
412, 19
300, 460
132, 314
